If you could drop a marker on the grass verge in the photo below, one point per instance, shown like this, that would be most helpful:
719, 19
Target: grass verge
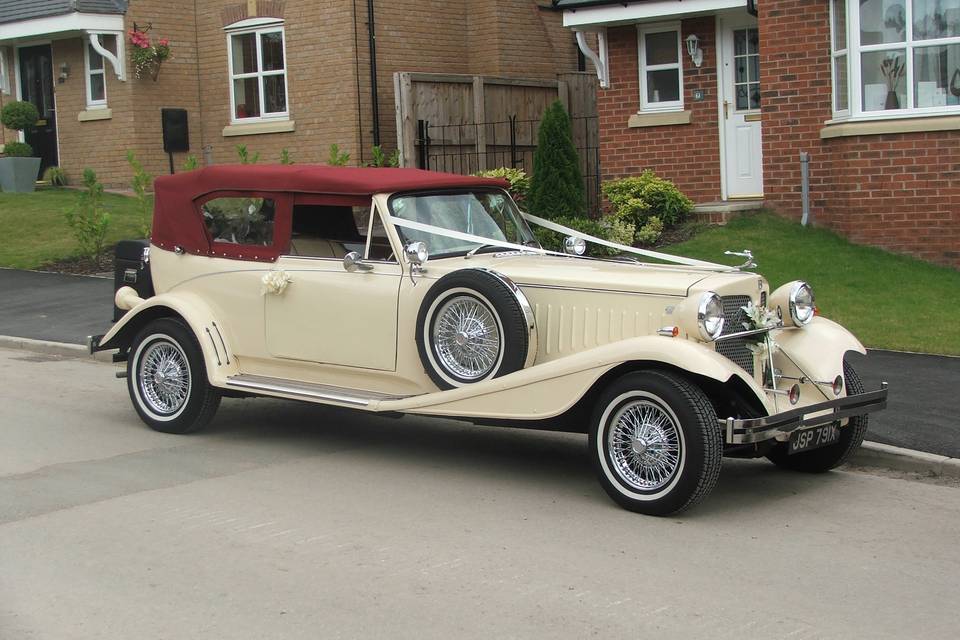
33, 231
888, 301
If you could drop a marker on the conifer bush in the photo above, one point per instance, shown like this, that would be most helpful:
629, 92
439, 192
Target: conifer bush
556, 189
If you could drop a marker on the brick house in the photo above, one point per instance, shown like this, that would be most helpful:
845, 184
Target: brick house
271, 75
721, 96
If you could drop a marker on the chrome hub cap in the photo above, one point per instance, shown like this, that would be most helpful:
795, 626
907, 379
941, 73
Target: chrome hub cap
164, 377
466, 338
644, 445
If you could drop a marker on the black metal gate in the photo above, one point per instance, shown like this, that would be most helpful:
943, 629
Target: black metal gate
469, 148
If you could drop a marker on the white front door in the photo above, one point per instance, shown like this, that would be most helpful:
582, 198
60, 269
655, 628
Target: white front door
740, 111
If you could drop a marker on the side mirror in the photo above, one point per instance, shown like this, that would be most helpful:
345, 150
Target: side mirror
353, 262
574, 246
417, 253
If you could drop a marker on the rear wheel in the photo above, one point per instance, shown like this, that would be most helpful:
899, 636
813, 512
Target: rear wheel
655, 443
834, 455
167, 379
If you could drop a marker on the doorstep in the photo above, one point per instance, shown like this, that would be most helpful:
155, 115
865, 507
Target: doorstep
722, 211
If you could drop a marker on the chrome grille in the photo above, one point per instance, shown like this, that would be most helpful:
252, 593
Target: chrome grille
734, 317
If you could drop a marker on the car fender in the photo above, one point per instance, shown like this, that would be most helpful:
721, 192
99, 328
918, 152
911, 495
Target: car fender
549, 389
817, 349
198, 315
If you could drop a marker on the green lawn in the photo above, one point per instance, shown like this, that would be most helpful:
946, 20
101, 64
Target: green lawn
33, 230
888, 301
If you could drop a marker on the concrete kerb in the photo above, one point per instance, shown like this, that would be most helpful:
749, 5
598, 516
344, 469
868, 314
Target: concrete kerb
871, 454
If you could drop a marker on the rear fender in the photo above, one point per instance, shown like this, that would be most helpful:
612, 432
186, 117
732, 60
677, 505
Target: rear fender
211, 334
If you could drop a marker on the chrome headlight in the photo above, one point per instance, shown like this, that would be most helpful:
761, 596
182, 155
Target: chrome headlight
801, 304
710, 316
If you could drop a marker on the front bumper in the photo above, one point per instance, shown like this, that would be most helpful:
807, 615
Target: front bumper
751, 430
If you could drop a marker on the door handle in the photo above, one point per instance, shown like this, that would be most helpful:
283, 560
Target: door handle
726, 106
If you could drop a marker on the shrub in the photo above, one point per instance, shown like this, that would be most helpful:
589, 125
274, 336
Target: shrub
56, 176
19, 115
650, 232
518, 179
17, 150
142, 181
557, 187
285, 156
191, 163
611, 228
88, 219
380, 159
638, 198
336, 158
244, 155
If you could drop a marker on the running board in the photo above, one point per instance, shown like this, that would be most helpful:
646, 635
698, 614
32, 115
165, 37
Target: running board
308, 391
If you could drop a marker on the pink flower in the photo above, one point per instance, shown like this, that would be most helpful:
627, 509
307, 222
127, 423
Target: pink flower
164, 42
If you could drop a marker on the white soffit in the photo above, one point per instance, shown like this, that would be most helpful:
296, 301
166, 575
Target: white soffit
606, 15
70, 23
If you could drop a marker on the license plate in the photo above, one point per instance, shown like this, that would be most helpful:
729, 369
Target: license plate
814, 438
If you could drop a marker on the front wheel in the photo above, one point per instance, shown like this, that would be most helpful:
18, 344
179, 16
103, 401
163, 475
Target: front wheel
167, 379
655, 443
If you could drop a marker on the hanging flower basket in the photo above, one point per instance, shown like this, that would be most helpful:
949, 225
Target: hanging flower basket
146, 56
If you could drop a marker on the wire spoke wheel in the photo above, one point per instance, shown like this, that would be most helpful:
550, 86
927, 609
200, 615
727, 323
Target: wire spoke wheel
466, 337
644, 445
164, 377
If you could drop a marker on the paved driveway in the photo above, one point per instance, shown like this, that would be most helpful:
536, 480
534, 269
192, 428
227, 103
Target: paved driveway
923, 412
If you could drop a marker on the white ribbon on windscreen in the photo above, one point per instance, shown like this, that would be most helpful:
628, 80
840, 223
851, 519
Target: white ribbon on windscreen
559, 228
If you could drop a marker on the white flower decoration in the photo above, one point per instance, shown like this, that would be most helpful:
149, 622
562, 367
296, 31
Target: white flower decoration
275, 282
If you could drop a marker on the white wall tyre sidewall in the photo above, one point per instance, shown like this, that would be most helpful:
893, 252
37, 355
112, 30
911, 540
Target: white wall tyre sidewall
136, 382
601, 450
427, 336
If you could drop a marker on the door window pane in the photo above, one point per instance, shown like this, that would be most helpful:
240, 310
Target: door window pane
244, 53
247, 97
661, 48
882, 76
272, 46
746, 64
935, 19
882, 21
936, 75
663, 85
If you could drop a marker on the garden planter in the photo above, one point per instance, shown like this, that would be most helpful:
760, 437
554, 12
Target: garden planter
19, 175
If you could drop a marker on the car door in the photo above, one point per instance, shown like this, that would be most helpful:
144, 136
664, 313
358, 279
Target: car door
326, 314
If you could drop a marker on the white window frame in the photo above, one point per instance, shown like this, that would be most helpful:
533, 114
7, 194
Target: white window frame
4, 72
258, 27
88, 74
855, 109
839, 53
642, 31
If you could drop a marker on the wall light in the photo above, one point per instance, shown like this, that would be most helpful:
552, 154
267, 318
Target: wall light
64, 72
694, 50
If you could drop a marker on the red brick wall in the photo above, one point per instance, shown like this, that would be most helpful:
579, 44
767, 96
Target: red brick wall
687, 154
897, 191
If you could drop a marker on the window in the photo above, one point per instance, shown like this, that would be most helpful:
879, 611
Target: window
96, 78
258, 76
4, 72
240, 221
661, 72
895, 57
746, 64
333, 231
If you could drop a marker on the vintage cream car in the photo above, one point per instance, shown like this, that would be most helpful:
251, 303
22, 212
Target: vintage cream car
406, 291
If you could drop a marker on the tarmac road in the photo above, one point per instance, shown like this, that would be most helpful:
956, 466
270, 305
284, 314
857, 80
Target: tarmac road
287, 520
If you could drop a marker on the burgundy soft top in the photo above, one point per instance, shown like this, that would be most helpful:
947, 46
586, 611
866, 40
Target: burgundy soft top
177, 221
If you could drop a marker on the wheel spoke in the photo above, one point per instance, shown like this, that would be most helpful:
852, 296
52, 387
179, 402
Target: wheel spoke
466, 338
644, 445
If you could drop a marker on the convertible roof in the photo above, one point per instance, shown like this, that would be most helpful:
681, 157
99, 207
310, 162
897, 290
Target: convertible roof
307, 178
177, 221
